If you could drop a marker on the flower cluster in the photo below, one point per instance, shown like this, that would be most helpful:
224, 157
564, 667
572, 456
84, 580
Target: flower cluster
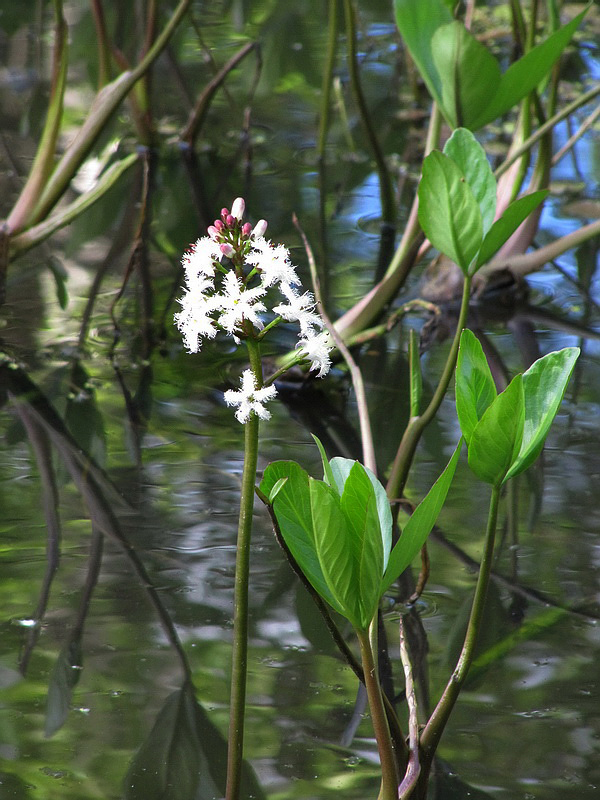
228, 274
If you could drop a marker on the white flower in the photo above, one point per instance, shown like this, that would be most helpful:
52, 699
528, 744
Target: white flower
238, 304
316, 347
273, 262
200, 258
194, 320
250, 398
300, 309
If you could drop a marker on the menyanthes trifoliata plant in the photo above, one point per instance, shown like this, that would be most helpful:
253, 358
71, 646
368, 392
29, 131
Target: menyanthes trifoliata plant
241, 285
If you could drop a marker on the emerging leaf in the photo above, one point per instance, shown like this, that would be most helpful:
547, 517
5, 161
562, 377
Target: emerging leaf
475, 388
496, 439
544, 386
503, 228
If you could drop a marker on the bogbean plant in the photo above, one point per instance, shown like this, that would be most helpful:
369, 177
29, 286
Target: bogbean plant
338, 531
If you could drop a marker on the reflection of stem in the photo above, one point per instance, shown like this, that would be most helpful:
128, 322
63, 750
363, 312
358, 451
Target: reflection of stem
388, 204
416, 425
87, 477
43, 456
389, 775
433, 730
239, 655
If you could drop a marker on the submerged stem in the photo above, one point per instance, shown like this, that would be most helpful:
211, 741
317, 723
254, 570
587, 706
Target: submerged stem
389, 775
433, 730
239, 657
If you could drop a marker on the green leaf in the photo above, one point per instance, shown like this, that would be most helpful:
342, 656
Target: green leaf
336, 550
503, 228
417, 23
448, 211
475, 388
293, 513
63, 680
341, 468
419, 526
327, 473
464, 149
544, 386
525, 74
466, 69
496, 439
358, 504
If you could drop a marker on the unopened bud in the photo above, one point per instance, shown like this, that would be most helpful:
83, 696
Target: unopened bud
224, 213
260, 228
227, 250
238, 208
213, 232
246, 229
219, 225
229, 220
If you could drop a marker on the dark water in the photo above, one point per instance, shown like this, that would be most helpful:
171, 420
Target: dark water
166, 460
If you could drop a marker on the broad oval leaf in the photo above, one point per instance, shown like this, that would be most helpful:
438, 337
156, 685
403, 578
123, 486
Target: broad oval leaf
292, 510
544, 386
474, 386
419, 526
341, 468
467, 72
464, 149
336, 551
448, 211
497, 437
503, 228
359, 506
417, 23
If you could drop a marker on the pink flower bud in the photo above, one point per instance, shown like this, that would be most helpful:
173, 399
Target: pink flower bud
213, 232
246, 229
219, 225
260, 228
229, 221
224, 213
227, 250
238, 208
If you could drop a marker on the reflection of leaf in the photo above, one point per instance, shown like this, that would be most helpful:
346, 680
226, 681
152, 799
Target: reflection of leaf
184, 756
448, 786
63, 680
82, 417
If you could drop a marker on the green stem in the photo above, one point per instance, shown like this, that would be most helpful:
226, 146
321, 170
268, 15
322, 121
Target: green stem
416, 425
239, 655
433, 730
389, 775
